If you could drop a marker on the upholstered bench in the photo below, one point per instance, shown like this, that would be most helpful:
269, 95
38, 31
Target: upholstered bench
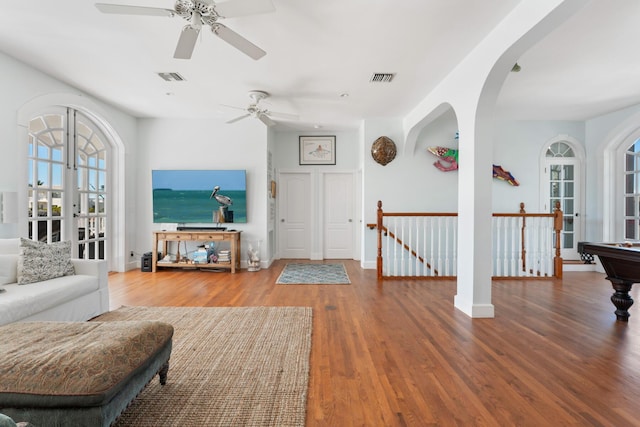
78, 373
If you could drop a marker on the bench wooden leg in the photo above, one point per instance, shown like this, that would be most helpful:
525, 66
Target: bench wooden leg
163, 373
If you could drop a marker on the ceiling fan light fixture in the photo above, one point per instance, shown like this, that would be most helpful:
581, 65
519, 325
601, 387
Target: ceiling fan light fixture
196, 20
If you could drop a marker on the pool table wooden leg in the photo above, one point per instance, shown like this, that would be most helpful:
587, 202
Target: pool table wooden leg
621, 298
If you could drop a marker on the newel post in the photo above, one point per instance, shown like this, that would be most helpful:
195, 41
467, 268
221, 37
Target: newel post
522, 234
379, 228
557, 226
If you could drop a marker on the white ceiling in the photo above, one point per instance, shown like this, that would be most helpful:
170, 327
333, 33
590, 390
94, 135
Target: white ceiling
317, 50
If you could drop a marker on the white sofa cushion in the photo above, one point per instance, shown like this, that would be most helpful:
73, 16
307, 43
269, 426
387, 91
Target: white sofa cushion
8, 269
41, 261
10, 246
19, 301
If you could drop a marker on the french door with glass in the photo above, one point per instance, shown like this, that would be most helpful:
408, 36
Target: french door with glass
68, 182
562, 179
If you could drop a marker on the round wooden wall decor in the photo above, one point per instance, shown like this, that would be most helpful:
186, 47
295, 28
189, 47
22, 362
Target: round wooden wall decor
383, 150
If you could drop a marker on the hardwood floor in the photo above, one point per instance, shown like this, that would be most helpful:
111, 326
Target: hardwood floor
397, 353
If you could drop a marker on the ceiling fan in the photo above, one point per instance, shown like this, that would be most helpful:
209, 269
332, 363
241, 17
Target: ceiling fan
199, 13
262, 114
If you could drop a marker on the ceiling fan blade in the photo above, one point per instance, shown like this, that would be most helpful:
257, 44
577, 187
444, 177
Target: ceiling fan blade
186, 42
244, 116
122, 9
234, 8
283, 115
233, 106
237, 41
266, 120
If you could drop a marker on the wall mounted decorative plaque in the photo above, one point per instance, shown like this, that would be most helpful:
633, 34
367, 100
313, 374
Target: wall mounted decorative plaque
383, 150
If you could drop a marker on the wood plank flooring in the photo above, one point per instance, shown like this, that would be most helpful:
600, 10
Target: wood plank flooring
397, 353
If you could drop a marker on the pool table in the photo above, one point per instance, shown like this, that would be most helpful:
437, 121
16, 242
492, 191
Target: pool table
621, 261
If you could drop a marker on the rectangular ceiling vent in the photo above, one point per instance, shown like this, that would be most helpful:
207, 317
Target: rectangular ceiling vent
382, 78
171, 77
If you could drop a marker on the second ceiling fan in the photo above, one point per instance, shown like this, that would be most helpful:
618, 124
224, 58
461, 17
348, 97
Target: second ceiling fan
256, 111
201, 13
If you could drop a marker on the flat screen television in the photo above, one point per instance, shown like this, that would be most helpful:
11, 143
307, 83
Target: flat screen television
190, 196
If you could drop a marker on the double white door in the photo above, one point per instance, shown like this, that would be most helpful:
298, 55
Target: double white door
316, 221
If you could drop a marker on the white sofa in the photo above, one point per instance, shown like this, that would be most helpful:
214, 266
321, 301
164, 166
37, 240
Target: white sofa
76, 297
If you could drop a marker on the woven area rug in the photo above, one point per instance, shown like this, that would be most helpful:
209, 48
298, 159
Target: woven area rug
313, 274
229, 366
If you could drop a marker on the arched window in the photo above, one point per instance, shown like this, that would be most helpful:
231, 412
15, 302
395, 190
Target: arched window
632, 192
67, 182
560, 149
46, 163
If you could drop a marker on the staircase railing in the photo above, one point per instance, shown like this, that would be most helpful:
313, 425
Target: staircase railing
424, 245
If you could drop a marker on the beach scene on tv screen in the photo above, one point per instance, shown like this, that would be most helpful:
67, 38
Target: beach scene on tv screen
190, 196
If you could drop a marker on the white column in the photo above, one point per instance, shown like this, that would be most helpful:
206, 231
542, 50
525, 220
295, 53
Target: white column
474, 219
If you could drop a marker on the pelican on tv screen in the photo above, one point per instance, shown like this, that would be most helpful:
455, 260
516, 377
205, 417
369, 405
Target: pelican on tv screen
199, 196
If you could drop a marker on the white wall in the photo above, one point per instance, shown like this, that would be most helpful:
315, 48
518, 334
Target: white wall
23, 86
603, 135
286, 150
409, 183
286, 159
518, 147
204, 144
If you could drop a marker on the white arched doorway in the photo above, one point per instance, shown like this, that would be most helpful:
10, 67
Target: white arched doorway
72, 172
562, 180
616, 192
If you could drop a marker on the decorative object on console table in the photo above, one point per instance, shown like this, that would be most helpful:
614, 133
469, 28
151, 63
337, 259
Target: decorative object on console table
318, 150
253, 256
224, 256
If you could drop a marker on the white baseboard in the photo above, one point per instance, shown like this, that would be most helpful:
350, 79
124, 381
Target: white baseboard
369, 265
132, 265
579, 267
474, 310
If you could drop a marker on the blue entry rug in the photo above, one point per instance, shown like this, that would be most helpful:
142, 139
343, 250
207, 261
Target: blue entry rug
313, 274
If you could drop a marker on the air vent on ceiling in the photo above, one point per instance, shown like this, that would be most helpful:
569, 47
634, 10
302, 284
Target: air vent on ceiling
382, 77
171, 77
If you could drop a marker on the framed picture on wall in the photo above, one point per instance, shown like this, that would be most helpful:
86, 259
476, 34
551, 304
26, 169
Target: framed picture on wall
318, 150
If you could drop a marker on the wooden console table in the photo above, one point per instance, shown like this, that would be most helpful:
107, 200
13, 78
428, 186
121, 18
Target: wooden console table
233, 237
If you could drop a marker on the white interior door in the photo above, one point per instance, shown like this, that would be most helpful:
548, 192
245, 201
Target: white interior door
294, 204
338, 215
562, 179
